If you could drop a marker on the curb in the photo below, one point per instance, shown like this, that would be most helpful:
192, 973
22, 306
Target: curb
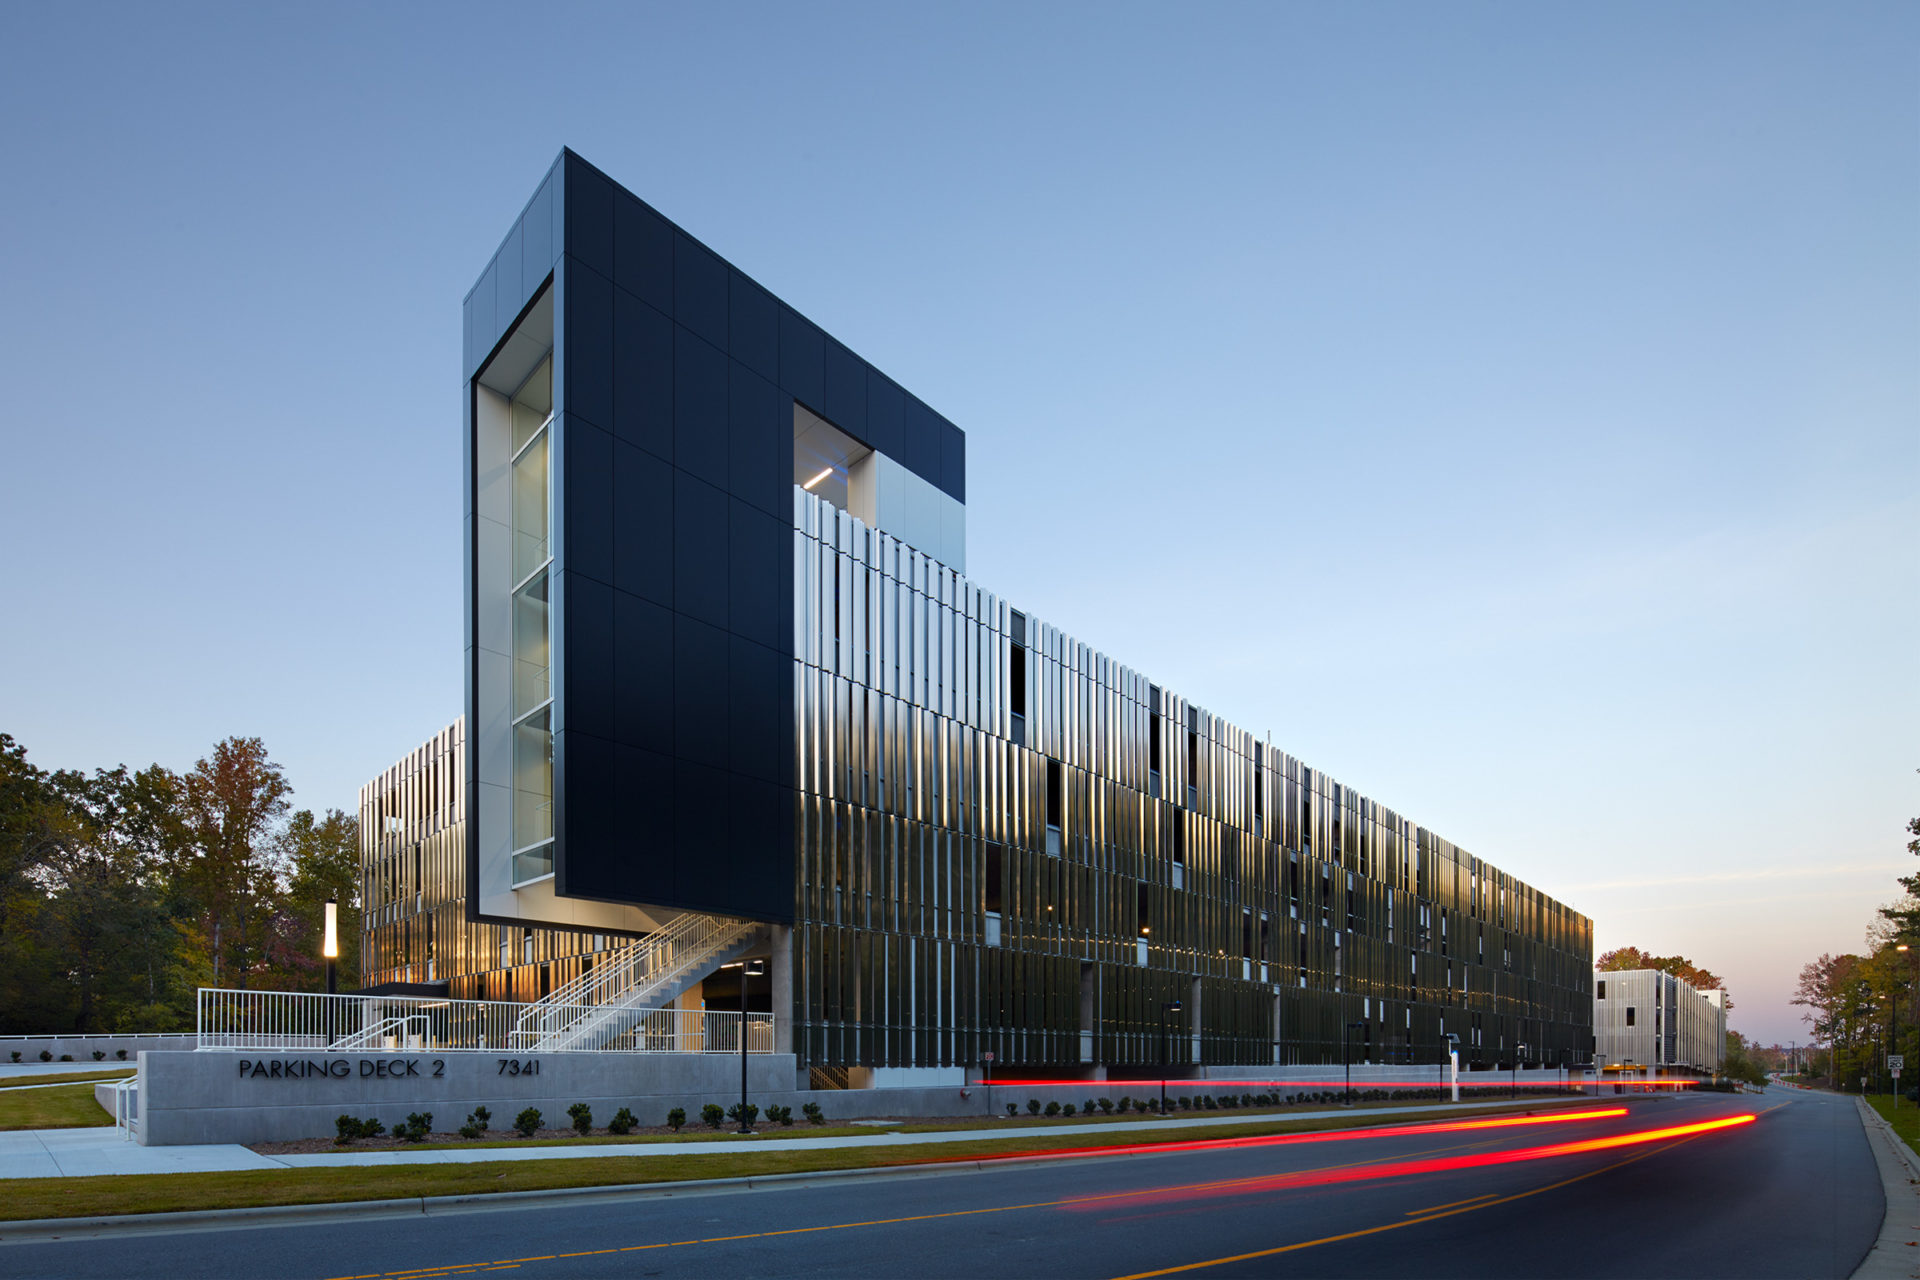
1893, 1253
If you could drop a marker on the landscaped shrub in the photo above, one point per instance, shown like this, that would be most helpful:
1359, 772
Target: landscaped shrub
473, 1128
714, 1114
118, 1053
527, 1122
66, 1057
1067, 1110
16, 1055
99, 1054
345, 1129
46, 1055
482, 1117
1033, 1106
1126, 1104
417, 1126
1186, 1103
1013, 1108
582, 1117
1246, 1099
676, 1118
744, 1114
1053, 1108
623, 1121
811, 1110
1086, 1107
779, 1115
1106, 1106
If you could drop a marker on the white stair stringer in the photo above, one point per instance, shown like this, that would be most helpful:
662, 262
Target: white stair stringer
629, 983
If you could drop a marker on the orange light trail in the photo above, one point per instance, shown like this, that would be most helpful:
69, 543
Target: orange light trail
1292, 1139
1417, 1168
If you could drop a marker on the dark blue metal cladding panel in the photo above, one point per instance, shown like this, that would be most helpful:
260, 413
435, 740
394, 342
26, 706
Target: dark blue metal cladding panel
642, 375
643, 672
588, 213
699, 408
536, 240
759, 575
760, 845
759, 710
886, 413
920, 441
953, 461
588, 627
803, 356
509, 297
643, 252
700, 728
702, 796
642, 525
586, 500
589, 364
753, 326
759, 443
699, 290
486, 327
699, 550
845, 390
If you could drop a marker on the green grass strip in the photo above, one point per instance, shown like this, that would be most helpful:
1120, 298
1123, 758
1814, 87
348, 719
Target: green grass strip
64, 1107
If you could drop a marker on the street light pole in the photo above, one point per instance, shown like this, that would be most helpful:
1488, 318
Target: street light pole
330, 941
1513, 1068
751, 969
1346, 1059
1449, 1057
1171, 1006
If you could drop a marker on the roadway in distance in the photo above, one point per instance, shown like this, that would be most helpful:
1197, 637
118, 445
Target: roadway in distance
1777, 1185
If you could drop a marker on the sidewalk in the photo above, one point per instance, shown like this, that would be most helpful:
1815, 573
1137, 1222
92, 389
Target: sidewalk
56, 1153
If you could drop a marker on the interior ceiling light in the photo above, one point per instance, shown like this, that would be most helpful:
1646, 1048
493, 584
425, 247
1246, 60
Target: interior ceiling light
817, 479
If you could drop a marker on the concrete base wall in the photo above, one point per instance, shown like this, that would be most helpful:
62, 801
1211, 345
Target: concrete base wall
245, 1097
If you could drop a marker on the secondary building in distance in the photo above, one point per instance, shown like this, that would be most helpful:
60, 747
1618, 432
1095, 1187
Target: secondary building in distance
1645, 1018
729, 689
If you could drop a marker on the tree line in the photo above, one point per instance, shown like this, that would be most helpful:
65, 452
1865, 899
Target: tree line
1861, 1007
123, 891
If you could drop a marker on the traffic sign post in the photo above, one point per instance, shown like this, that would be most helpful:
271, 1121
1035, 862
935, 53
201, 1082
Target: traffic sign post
1895, 1061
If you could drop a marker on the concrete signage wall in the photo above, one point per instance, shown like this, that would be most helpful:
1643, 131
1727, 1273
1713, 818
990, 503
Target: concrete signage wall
264, 1096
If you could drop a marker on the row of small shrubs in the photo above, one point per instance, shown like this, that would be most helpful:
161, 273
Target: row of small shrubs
418, 1125
1228, 1102
99, 1055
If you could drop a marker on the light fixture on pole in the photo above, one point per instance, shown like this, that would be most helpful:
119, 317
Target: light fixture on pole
330, 942
751, 969
1171, 1006
1346, 1059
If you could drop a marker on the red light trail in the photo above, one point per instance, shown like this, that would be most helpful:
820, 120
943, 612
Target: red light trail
1416, 1168
1299, 1139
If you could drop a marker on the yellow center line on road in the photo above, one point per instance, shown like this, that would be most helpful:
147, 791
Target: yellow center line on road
1466, 1206
1451, 1204
468, 1268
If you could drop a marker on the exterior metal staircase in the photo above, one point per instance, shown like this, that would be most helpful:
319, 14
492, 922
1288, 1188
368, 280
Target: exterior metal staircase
615, 996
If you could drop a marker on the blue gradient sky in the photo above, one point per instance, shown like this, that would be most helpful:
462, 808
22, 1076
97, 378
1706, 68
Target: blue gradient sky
1515, 409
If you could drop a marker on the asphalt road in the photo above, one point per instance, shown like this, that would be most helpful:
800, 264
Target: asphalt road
1792, 1192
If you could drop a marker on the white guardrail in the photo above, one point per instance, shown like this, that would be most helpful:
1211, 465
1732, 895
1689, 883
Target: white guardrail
229, 1019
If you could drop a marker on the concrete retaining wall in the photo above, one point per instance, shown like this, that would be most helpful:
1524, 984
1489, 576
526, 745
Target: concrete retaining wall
81, 1048
240, 1096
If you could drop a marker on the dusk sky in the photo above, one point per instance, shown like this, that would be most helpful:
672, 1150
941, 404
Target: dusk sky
1514, 409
